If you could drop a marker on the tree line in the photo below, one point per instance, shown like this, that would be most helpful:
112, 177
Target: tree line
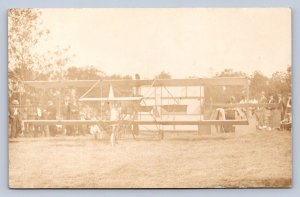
26, 30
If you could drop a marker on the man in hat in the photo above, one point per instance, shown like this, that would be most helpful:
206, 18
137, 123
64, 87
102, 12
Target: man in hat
288, 110
39, 116
260, 112
51, 110
31, 115
230, 114
269, 114
263, 98
14, 119
137, 88
65, 114
73, 114
115, 117
282, 106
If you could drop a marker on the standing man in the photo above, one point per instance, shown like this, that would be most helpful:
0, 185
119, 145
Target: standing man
82, 116
137, 88
269, 114
14, 119
230, 114
288, 110
31, 115
39, 116
51, 109
74, 115
282, 106
243, 111
114, 117
271, 100
263, 98
65, 115
261, 112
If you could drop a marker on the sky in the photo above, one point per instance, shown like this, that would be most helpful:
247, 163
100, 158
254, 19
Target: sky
182, 41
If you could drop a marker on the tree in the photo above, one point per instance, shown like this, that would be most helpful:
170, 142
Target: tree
122, 89
51, 65
228, 72
163, 75
280, 82
24, 32
258, 83
84, 73
223, 93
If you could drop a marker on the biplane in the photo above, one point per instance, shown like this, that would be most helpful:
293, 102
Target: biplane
156, 105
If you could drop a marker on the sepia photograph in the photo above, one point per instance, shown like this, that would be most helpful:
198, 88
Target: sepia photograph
149, 98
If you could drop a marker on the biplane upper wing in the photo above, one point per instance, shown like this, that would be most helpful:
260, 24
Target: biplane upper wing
219, 81
112, 99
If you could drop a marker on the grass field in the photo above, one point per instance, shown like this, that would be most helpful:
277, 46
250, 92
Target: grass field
254, 159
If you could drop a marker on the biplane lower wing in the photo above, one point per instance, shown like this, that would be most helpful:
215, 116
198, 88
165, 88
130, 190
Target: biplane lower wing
193, 122
246, 105
139, 122
113, 99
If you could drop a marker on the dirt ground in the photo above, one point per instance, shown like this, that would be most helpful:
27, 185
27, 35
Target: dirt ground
254, 159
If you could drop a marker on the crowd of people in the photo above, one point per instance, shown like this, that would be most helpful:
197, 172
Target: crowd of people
263, 112
71, 109
283, 105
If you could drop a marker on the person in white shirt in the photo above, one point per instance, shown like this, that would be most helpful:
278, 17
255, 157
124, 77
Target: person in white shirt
115, 117
39, 116
289, 108
96, 131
